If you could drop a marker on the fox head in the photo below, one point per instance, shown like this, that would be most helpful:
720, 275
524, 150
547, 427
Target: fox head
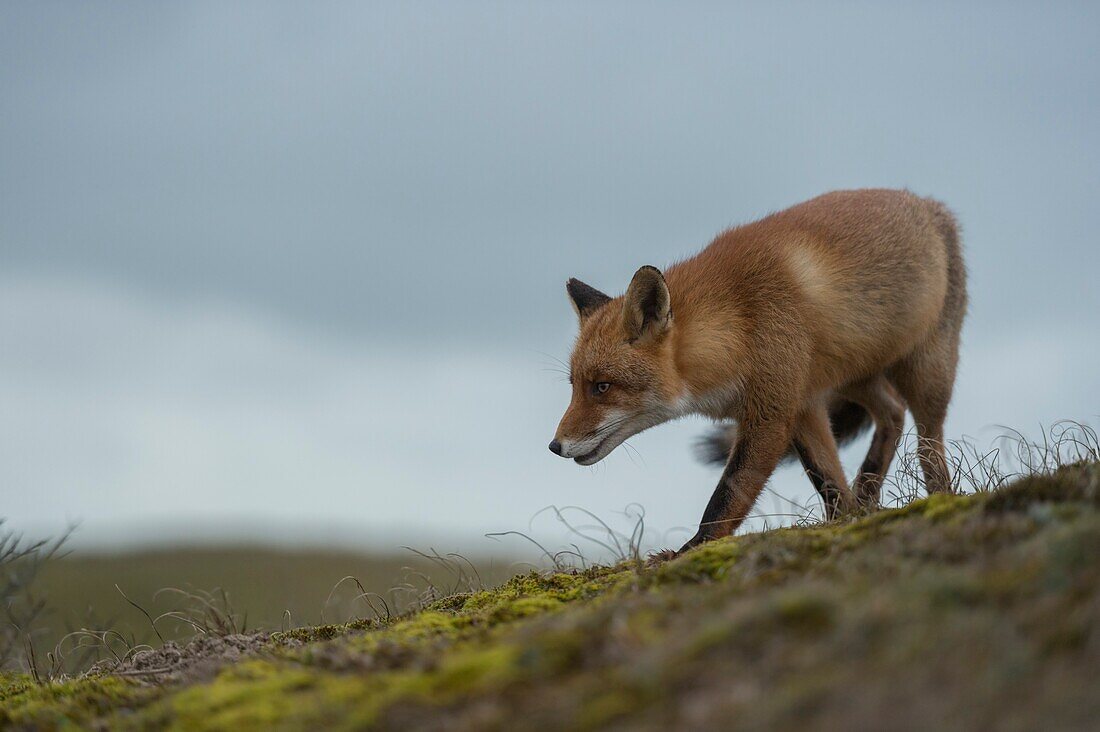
621, 369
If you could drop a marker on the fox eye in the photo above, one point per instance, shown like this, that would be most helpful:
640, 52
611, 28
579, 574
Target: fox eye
601, 387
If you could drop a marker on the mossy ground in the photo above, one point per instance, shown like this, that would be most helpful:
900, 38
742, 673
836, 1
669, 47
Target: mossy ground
952, 612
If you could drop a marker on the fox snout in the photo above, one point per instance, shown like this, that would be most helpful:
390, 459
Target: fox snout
578, 451
585, 443
565, 447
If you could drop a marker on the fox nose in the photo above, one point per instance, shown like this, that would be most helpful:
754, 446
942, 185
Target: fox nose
555, 447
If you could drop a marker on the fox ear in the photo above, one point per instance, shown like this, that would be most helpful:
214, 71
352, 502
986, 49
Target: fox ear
647, 307
585, 299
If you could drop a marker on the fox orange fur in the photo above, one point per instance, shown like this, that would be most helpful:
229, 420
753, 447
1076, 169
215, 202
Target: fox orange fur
796, 327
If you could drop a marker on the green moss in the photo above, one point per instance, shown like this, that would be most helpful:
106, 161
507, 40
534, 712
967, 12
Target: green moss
427, 624
766, 558
560, 586
256, 695
323, 632
941, 506
524, 607
710, 561
77, 702
936, 507
12, 684
1076, 482
454, 603
265, 694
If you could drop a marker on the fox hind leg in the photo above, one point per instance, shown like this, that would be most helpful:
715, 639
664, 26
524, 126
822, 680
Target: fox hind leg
885, 406
816, 448
926, 379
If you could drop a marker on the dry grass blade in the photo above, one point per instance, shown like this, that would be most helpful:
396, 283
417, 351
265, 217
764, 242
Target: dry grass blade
203, 612
332, 592
143, 611
497, 534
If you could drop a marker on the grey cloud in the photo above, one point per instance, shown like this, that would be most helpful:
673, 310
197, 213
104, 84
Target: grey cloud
230, 231
401, 170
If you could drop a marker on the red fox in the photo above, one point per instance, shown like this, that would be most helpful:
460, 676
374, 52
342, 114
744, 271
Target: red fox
801, 328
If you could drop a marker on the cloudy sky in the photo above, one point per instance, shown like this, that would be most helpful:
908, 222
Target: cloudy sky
295, 271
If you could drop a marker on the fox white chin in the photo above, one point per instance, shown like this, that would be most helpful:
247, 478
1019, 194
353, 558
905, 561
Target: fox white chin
605, 448
608, 444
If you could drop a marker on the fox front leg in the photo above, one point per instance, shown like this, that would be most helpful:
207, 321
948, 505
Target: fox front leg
759, 447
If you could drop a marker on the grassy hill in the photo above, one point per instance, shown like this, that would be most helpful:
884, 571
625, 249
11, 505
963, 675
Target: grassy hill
953, 612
